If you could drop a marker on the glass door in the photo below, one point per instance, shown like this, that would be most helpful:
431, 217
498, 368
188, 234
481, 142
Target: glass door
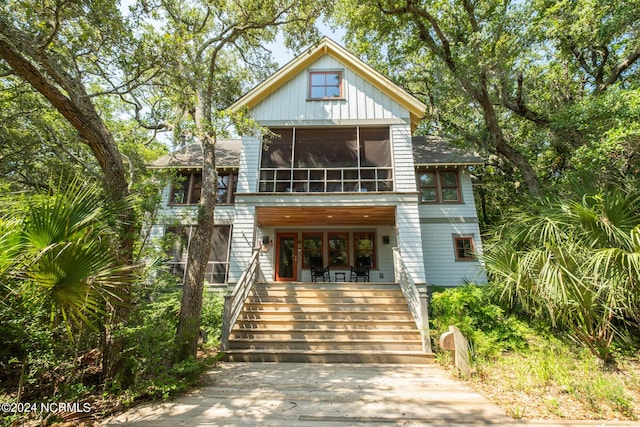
286, 257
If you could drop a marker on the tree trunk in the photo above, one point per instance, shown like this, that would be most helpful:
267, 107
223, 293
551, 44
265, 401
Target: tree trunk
68, 96
198, 257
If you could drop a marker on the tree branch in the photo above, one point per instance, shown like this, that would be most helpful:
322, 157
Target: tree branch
619, 69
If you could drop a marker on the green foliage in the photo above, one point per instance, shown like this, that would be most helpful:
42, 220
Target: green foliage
149, 340
60, 255
552, 371
574, 263
212, 311
489, 330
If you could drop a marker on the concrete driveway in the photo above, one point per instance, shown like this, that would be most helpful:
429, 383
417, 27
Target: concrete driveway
283, 394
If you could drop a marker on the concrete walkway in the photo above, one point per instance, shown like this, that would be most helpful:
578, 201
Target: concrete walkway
282, 394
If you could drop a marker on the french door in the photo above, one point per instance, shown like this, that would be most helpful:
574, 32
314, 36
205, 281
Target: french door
286, 257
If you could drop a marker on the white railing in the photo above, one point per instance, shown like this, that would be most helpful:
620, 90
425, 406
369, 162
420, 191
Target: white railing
325, 180
234, 301
418, 301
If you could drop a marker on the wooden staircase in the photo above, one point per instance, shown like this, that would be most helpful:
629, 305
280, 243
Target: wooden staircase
326, 323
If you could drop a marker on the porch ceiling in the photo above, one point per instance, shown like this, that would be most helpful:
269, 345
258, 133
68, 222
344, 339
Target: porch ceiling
312, 216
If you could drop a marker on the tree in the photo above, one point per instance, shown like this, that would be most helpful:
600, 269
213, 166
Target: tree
574, 263
209, 43
58, 252
503, 76
69, 53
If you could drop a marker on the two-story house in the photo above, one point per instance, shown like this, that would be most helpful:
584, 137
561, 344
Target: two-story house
340, 183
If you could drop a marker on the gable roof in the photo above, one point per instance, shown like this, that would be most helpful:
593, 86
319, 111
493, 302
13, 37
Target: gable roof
190, 156
435, 151
329, 47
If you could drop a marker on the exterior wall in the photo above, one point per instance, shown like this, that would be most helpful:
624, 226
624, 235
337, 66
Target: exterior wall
441, 267
362, 101
243, 240
249, 165
410, 240
404, 175
439, 224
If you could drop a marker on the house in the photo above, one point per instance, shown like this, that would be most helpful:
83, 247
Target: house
340, 182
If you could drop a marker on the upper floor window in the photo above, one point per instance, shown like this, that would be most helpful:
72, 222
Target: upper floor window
325, 84
439, 186
186, 188
227, 184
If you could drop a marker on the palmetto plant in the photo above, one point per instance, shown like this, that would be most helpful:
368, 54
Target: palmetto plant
573, 263
60, 254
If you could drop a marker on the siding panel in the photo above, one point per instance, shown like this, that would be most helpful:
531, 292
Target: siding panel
362, 101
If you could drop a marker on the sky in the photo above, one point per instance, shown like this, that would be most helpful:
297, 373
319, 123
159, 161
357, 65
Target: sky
280, 53
282, 56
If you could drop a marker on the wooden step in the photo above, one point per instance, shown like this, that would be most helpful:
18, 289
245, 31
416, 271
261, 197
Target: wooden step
301, 316
328, 323
326, 334
331, 356
326, 344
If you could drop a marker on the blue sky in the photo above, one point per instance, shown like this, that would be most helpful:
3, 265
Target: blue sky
282, 55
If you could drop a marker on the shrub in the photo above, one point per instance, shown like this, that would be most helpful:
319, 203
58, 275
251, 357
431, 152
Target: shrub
212, 308
489, 330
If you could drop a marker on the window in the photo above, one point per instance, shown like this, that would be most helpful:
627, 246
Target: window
441, 186
325, 84
330, 159
312, 250
339, 249
177, 241
186, 188
227, 184
365, 248
464, 248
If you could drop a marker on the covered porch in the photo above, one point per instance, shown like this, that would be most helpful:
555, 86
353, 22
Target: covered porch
336, 239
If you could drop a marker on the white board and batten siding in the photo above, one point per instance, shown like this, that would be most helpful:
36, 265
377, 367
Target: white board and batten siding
289, 105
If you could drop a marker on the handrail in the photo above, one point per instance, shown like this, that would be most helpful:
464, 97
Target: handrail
234, 302
417, 301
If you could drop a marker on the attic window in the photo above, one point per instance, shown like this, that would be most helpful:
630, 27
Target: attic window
325, 84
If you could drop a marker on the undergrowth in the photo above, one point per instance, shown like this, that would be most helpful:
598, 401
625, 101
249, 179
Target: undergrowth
532, 371
39, 364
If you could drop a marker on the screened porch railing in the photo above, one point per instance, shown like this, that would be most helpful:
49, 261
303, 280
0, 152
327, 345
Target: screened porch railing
325, 180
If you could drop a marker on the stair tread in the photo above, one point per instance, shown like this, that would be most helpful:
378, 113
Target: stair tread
299, 351
328, 340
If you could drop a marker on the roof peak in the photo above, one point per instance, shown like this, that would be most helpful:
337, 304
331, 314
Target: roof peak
326, 46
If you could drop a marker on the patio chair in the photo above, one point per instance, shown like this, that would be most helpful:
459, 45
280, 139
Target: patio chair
317, 270
359, 271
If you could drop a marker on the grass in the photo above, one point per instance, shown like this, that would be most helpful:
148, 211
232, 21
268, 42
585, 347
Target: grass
554, 380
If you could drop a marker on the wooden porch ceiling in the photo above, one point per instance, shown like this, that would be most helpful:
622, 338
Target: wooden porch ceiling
310, 216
